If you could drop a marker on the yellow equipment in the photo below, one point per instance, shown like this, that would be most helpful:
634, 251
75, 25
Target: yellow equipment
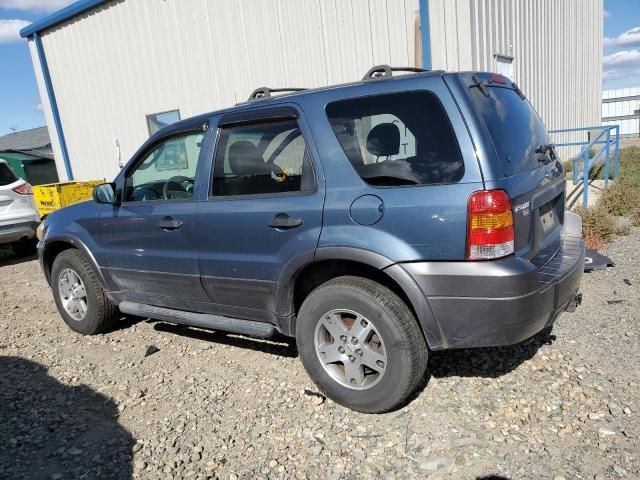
53, 196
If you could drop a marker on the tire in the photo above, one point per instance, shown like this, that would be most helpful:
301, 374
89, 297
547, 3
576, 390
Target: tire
100, 315
386, 317
25, 247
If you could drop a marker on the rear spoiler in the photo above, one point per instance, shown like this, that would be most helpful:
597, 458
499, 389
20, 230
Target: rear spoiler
495, 78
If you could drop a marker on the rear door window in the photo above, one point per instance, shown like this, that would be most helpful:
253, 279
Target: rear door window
398, 139
267, 157
515, 127
7, 175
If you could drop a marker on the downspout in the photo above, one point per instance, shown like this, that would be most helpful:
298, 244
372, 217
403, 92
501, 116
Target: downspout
425, 33
54, 105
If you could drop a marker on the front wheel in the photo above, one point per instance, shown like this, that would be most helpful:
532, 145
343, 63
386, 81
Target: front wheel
360, 343
79, 297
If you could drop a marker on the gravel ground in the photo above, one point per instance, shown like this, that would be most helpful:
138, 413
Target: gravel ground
209, 405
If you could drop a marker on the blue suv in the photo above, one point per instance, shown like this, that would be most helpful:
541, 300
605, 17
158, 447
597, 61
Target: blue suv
374, 222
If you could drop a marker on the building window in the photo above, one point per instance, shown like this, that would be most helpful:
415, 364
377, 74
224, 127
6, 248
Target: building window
504, 65
156, 121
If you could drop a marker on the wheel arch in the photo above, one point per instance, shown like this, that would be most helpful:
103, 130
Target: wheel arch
53, 247
332, 262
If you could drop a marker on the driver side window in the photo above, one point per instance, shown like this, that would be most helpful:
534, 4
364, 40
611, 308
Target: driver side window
167, 171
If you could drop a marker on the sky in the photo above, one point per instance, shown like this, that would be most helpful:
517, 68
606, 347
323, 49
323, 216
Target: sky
20, 106
621, 61
19, 98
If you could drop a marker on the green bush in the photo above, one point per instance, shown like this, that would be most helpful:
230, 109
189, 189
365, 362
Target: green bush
621, 199
630, 166
598, 225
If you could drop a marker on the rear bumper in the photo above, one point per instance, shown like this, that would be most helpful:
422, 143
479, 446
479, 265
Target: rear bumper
17, 231
502, 302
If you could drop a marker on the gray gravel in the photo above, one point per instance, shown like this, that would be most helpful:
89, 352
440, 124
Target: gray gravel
209, 405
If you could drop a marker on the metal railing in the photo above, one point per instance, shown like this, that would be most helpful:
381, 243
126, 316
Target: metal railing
608, 135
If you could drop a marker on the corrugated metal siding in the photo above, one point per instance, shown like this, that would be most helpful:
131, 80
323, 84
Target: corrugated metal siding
556, 46
114, 65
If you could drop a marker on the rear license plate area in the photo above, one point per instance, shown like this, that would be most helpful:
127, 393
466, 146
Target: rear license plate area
549, 218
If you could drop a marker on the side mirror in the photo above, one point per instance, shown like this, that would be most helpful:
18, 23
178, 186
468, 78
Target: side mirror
105, 193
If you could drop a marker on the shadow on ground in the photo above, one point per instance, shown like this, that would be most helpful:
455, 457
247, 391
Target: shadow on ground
7, 257
50, 430
481, 362
471, 362
277, 345
477, 362
486, 362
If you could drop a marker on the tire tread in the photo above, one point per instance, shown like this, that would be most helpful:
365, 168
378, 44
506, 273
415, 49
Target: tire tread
414, 342
106, 312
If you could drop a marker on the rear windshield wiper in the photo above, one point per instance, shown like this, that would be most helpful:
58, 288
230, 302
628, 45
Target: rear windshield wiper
543, 149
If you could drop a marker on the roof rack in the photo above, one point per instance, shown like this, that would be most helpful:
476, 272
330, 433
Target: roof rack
265, 92
385, 71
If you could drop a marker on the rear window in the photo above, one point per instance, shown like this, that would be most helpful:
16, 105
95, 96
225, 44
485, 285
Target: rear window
398, 139
7, 176
515, 127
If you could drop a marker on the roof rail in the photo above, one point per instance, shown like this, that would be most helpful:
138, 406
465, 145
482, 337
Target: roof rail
265, 92
385, 71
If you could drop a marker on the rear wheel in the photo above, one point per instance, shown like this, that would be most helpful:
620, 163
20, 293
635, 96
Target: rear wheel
361, 345
79, 297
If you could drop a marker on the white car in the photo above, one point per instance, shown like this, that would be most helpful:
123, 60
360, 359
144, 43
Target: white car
19, 217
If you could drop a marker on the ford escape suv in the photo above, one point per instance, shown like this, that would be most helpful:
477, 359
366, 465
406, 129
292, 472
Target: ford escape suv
374, 222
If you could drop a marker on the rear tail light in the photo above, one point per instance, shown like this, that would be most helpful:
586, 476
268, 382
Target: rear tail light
24, 189
490, 229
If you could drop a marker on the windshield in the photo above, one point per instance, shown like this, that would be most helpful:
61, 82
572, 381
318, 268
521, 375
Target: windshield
7, 176
515, 127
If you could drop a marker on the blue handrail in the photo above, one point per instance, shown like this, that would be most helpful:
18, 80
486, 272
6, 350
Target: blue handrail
604, 139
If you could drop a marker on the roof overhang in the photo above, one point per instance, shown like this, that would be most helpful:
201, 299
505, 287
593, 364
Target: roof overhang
38, 154
60, 16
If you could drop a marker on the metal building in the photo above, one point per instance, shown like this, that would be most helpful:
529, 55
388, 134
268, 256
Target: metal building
622, 107
110, 72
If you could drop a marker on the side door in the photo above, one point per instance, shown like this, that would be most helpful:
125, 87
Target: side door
148, 239
263, 216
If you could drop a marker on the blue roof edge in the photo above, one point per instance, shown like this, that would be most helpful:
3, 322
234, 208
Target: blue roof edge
60, 16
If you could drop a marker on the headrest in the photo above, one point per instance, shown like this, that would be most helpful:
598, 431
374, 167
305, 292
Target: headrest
384, 140
245, 159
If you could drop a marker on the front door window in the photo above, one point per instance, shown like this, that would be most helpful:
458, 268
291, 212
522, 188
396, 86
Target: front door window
167, 172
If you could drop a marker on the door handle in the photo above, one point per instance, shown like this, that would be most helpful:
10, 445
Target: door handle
170, 223
282, 221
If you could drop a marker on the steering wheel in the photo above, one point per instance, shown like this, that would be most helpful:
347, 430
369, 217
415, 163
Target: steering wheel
169, 193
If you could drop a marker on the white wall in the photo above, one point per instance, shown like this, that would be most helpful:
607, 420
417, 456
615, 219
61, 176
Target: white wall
118, 63
556, 47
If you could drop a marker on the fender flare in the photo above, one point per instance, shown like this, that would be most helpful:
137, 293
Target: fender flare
395, 271
77, 244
